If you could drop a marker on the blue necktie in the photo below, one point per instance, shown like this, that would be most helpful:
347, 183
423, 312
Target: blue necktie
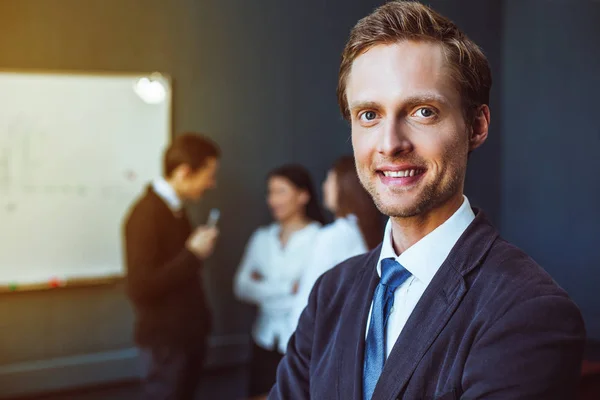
392, 275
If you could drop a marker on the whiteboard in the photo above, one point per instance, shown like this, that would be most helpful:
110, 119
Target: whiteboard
75, 151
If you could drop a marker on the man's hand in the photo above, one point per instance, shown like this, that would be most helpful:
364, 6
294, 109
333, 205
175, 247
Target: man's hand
202, 241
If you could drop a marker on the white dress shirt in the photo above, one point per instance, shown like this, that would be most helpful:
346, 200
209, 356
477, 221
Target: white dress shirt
335, 243
280, 269
166, 192
422, 260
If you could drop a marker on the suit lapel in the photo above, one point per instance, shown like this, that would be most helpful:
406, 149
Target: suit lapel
353, 329
435, 308
433, 311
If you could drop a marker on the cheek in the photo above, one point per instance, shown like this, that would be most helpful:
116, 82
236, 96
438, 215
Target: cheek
296, 202
327, 192
273, 198
332, 198
333, 194
362, 149
440, 149
280, 200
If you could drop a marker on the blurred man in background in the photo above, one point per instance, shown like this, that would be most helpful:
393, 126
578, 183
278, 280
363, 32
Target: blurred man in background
164, 257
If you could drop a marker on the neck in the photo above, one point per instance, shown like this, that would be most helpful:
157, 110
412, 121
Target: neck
340, 215
408, 231
294, 223
172, 183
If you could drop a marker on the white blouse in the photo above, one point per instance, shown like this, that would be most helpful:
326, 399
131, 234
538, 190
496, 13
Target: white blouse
335, 243
280, 268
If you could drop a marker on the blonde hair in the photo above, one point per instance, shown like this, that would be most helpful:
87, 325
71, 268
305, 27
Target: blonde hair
409, 20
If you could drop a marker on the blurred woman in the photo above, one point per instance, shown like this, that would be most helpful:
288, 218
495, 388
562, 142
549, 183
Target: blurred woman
357, 228
273, 263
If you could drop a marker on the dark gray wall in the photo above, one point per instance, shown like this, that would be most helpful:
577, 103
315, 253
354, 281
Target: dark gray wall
551, 142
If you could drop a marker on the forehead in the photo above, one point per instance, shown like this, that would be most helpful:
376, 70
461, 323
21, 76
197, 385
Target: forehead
280, 182
389, 73
209, 167
210, 164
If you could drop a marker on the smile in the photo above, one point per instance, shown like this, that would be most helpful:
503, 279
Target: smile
403, 174
401, 177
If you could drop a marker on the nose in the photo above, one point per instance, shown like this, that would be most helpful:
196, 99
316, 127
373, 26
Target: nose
393, 140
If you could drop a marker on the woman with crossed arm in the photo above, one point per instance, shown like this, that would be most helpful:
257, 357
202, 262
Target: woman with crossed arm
271, 268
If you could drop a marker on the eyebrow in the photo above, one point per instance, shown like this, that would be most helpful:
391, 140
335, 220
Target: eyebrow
408, 102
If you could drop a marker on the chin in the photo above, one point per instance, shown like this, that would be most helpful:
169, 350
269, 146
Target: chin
399, 211
193, 198
410, 207
277, 216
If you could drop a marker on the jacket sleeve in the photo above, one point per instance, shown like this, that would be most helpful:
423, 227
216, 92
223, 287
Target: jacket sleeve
293, 373
147, 281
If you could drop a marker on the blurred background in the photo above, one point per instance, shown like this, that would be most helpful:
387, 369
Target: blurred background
259, 77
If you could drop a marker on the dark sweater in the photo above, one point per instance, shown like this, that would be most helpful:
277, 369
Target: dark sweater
163, 277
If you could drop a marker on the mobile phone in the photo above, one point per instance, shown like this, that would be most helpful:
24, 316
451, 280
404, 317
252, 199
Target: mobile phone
213, 217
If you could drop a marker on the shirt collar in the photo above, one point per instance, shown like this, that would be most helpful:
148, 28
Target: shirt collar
425, 257
166, 192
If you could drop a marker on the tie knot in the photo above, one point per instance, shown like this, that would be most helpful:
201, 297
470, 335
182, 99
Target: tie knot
392, 273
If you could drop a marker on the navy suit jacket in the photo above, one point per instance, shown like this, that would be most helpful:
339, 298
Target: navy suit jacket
492, 324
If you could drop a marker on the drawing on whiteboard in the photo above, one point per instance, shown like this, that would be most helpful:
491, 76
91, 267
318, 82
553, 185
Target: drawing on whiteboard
130, 175
114, 191
18, 156
4, 169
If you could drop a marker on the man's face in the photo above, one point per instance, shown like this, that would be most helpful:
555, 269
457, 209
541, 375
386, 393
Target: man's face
409, 135
195, 183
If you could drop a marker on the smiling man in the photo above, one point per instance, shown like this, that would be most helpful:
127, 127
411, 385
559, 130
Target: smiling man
444, 308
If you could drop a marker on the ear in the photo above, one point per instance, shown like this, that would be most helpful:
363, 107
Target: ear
181, 172
304, 197
479, 127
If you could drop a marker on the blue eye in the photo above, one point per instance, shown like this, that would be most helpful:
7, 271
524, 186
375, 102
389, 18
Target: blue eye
368, 116
425, 112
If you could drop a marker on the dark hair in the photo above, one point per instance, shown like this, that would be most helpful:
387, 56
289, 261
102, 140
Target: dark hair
300, 178
409, 20
352, 198
189, 148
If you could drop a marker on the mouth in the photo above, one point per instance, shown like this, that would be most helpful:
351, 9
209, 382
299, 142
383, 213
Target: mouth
403, 176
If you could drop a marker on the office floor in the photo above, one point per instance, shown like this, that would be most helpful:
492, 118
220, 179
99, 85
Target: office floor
230, 384
222, 384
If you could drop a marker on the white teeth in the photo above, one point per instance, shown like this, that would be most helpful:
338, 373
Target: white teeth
401, 174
